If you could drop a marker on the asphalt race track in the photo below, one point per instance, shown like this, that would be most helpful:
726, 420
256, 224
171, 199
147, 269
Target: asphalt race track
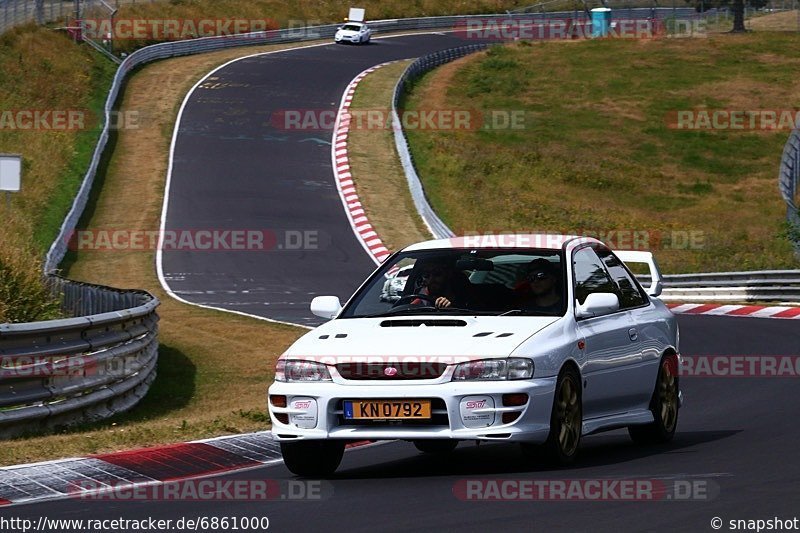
737, 437
234, 169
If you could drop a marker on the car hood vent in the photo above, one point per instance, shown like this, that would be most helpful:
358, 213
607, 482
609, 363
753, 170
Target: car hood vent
487, 333
429, 322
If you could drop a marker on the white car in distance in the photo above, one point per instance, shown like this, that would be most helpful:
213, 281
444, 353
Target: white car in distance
353, 32
535, 339
395, 284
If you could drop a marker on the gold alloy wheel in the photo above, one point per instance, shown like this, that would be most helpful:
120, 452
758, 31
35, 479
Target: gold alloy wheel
668, 396
568, 416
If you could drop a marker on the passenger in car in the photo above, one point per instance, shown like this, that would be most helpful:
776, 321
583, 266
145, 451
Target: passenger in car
539, 290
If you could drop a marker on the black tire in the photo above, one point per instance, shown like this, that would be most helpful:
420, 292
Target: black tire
566, 422
664, 405
312, 458
437, 446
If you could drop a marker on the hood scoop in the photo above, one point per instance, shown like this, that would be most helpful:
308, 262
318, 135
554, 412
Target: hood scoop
487, 333
428, 322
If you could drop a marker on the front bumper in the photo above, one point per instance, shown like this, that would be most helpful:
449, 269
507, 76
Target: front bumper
320, 412
346, 38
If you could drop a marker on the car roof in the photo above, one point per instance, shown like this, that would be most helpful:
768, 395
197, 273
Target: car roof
547, 241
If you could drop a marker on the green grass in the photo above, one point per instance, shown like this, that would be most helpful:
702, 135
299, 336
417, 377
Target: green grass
596, 152
50, 220
44, 70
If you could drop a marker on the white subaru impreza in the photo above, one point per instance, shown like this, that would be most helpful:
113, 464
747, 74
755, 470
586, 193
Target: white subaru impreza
536, 339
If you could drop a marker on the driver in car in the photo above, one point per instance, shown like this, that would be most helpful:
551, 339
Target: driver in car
439, 281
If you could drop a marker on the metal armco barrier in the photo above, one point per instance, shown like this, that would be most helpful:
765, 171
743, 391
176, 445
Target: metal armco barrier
414, 71
789, 182
754, 286
74, 370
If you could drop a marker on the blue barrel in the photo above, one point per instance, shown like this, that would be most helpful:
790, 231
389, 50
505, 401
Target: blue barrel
601, 21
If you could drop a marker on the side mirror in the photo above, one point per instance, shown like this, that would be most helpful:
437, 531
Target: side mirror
655, 288
598, 303
326, 306
338, 27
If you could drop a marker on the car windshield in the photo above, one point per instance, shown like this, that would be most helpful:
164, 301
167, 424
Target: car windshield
459, 281
351, 27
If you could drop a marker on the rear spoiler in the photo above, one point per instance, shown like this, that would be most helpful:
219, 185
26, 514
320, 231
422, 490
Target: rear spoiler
656, 279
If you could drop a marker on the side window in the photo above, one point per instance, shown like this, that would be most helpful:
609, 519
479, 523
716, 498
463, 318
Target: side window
590, 276
630, 295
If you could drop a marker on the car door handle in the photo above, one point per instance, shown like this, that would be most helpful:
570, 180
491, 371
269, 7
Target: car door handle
633, 334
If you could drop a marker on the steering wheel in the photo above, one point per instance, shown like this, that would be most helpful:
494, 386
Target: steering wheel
411, 297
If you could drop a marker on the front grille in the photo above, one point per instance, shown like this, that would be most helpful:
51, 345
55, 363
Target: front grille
439, 418
391, 371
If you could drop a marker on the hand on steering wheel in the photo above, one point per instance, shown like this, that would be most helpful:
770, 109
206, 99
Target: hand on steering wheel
438, 302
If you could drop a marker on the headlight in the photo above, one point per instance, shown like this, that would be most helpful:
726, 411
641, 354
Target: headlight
494, 369
293, 370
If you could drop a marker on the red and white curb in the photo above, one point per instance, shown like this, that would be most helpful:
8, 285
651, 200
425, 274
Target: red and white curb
753, 311
363, 230
72, 478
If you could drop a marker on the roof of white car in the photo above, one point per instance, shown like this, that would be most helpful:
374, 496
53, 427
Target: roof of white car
546, 241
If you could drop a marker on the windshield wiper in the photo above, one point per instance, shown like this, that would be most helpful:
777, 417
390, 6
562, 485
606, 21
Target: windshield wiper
511, 312
400, 310
529, 312
426, 309
462, 311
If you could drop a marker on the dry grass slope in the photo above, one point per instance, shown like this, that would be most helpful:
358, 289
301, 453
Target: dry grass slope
783, 21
